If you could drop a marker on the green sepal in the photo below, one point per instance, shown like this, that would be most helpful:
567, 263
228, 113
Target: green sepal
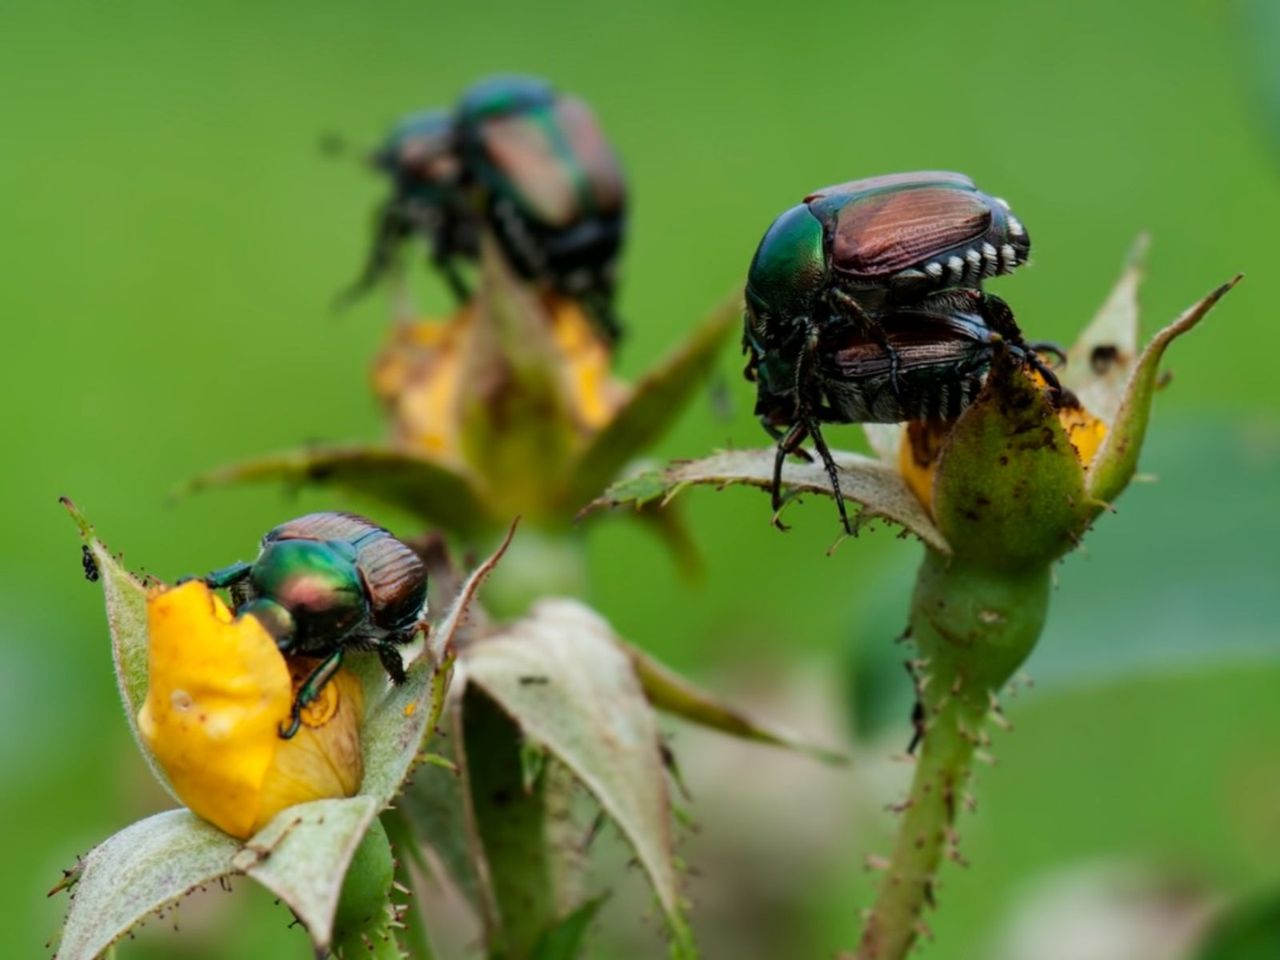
364, 911
563, 940
875, 486
671, 693
126, 601
145, 868
530, 857
1009, 491
403, 717
1117, 460
303, 854
1101, 360
438, 494
1246, 931
655, 403
517, 432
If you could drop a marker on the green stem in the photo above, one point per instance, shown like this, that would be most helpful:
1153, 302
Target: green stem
376, 943
974, 628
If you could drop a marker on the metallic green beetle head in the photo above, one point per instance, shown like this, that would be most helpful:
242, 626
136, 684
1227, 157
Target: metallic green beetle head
419, 155
316, 583
785, 288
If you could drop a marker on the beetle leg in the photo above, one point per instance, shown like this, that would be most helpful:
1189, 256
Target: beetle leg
1000, 318
389, 229
788, 444
310, 689
853, 311
389, 656
832, 474
598, 304
225, 577
443, 261
1048, 346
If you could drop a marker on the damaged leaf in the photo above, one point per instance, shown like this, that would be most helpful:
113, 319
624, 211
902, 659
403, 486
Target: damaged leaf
1100, 361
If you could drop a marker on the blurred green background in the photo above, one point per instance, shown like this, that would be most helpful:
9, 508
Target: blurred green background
173, 235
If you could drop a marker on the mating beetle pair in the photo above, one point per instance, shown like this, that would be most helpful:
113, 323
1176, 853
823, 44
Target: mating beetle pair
864, 304
327, 584
523, 161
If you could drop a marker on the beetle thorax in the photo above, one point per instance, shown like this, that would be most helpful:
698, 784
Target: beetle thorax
318, 584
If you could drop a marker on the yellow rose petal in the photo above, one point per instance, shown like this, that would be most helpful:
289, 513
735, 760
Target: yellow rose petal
219, 691
323, 758
594, 395
1085, 431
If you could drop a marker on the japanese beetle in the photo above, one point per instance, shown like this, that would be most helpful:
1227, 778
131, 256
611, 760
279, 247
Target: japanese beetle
551, 187
326, 584
427, 200
892, 265
942, 345
528, 163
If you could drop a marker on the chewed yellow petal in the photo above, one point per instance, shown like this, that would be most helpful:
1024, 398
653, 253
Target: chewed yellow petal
918, 456
1085, 431
594, 394
218, 691
418, 376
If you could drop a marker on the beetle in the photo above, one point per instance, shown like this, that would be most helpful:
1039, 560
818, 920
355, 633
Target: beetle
550, 187
943, 347
326, 584
892, 265
522, 160
428, 199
